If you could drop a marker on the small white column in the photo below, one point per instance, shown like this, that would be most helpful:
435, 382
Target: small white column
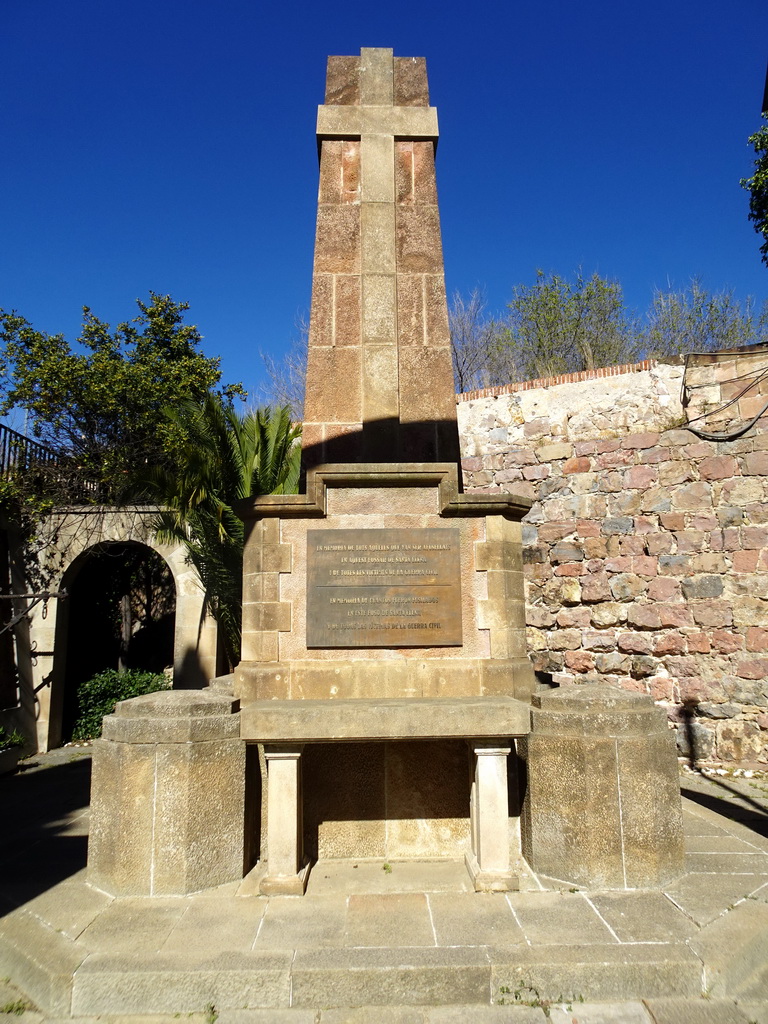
488, 863
286, 870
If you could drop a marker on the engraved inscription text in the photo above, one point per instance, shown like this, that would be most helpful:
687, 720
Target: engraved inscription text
383, 588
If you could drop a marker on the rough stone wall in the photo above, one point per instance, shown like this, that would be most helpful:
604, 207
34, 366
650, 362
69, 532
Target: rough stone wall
646, 549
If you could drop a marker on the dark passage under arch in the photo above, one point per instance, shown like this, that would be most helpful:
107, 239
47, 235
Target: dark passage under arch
121, 615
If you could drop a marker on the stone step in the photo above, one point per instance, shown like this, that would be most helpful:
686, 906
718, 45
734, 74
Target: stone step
413, 976
40, 961
657, 1011
673, 1011
68, 979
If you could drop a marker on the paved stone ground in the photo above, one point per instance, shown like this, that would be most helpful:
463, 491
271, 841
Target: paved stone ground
405, 944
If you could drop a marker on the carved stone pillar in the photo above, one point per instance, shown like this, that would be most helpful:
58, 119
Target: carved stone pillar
488, 863
286, 871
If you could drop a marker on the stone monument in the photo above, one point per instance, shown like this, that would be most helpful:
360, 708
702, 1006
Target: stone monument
383, 618
384, 669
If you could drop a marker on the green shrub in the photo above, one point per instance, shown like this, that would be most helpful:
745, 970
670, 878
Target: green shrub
97, 696
8, 740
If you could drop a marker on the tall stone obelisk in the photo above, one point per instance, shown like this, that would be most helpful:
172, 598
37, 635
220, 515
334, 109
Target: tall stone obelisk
379, 378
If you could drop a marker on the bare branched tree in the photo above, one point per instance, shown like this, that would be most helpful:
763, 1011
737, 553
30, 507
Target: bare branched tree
288, 376
480, 356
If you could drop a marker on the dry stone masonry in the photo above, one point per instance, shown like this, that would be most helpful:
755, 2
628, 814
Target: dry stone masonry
646, 549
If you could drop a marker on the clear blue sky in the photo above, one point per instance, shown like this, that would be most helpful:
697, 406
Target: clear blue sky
169, 145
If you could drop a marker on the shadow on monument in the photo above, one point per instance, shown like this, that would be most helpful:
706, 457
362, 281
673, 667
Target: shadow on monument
353, 790
37, 850
191, 675
385, 441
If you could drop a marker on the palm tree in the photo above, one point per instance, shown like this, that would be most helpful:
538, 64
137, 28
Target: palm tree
227, 456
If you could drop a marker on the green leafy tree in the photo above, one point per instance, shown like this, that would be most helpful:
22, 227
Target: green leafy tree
757, 186
228, 456
559, 326
100, 403
697, 320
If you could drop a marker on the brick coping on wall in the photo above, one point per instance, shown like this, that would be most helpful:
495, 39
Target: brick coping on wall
562, 378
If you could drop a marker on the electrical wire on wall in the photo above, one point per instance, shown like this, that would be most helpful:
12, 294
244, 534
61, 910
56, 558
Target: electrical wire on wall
751, 379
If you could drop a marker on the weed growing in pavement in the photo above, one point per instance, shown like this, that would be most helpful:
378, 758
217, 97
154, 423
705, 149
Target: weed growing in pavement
17, 1007
527, 995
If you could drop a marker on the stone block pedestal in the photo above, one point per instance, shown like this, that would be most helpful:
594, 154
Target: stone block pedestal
603, 807
168, 796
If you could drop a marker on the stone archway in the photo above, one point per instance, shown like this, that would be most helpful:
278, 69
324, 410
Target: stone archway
66, 538
119, 614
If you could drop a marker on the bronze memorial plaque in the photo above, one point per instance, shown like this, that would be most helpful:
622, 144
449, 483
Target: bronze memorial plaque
383, 588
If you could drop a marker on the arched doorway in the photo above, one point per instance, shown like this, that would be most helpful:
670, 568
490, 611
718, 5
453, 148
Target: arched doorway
120, 614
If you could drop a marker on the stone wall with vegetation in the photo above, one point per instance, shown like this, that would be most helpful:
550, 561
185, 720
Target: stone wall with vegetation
646, 548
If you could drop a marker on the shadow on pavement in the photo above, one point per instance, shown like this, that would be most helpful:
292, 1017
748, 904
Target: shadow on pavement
44, 836
754, 816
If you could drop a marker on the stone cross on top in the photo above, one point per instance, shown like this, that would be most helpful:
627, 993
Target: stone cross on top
379, 376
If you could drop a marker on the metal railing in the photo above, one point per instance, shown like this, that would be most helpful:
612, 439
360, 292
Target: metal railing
18, 453
45, 471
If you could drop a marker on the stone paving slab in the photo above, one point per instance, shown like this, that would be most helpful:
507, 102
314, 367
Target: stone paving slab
394, 919
474, 919
727, 863
134, 925
69, 908
366, 876
291, 923
734, 949
202, 927
704, 897
642, 916
723, 844
560, 918
756, 1012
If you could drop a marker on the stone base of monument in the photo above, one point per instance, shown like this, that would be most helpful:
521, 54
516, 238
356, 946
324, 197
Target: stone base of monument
602, 807
168, 796
285, 727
